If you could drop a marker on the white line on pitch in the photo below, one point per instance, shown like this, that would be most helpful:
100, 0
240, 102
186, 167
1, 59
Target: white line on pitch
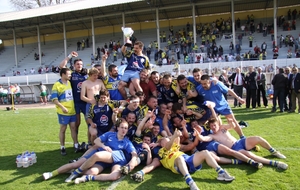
115, 183
53, 142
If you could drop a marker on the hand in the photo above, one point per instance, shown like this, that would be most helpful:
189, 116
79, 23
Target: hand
168, 112
74, 54
198, 129
242, 101
93, 102
153, 145
104, 56
65, 110
149, 114
146, 146
177, 133
116, 110
94, 125
189, 112
107, 148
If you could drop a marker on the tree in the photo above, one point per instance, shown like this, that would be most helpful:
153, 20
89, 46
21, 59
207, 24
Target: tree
31, 4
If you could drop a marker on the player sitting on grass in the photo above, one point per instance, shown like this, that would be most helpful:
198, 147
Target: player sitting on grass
116, 151
223, 136
180, 163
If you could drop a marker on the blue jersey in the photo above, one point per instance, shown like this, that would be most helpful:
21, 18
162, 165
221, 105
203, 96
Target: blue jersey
202, 145
76, 81
215, 94
167, 95
126, 111
136, 62
111, 139
111, 85
131, 132
192, 80
102, 116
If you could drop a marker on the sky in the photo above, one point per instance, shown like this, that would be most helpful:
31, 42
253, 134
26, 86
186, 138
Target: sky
5, 6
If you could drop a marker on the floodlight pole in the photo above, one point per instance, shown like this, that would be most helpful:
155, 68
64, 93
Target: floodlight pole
275, 22
233, 22
123, 24
194, 25
157, 28
93, 35
65, 38
39, 44
15, 47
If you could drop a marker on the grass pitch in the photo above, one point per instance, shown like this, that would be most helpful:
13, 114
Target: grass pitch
37, 130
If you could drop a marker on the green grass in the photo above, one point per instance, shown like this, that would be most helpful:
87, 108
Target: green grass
30, 128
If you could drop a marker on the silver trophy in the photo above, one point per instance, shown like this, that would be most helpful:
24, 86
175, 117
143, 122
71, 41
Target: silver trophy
127, 33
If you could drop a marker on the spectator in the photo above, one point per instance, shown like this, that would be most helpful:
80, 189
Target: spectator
279, 83
25, 72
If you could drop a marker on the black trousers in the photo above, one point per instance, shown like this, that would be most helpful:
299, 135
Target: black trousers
261, 90
251, 95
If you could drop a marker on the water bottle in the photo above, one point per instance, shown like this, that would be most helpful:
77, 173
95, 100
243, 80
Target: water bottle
25, 161
19, 161
33, 155
29, 159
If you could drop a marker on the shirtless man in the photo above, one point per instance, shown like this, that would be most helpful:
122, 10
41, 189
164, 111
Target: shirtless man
89, 89
223, 136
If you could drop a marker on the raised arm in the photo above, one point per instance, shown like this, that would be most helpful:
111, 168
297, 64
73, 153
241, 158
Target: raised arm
165, 122
103, 65
138, 131
64, 62
174, 139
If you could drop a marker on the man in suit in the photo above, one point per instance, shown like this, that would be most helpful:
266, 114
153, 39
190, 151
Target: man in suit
288, 95
224, 79
237, 80
261, 87
294, 82
279, 83
251, 87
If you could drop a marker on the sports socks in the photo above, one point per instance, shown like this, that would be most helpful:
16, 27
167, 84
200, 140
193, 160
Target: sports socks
273, 163
219, 170
236, 161
251, 162
90, 178
61, 147
54, 173
188, 179
77, 171
272, 150
76, 145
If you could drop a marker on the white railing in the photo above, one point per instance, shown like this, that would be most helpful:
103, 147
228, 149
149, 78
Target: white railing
49, 78
216, 67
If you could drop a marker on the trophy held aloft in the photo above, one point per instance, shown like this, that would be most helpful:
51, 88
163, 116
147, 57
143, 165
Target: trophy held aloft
127, 33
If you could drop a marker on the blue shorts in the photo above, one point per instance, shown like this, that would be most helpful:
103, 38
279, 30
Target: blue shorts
239, 145
213, 146
90, 154
80, 108
87, 110
118, 158
225, 111
189, 162
66, 119
128, 74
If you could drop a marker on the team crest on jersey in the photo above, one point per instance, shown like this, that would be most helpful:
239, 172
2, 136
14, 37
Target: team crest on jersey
115, 85
104, 119
142, 60
79, 86
120, 146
